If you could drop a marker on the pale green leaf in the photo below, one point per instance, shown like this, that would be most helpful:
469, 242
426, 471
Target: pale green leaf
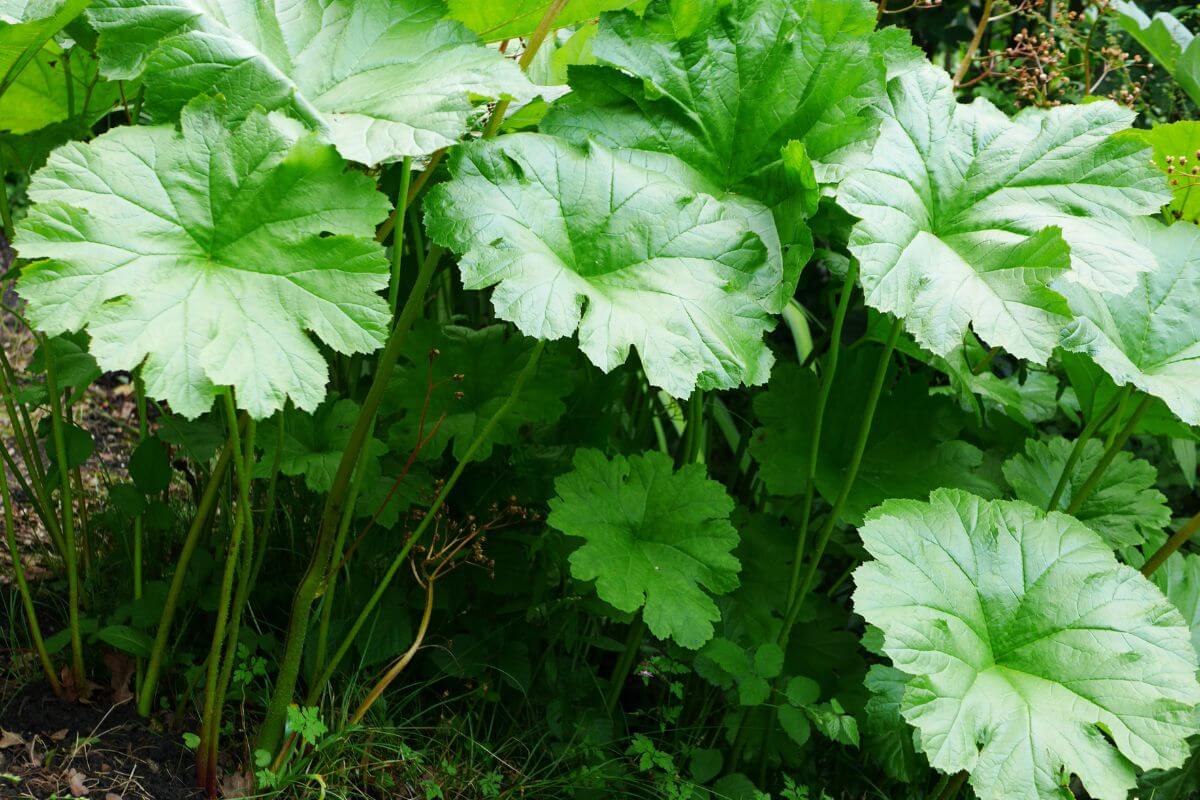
966, 215
654, 539
1028, 396
1124, 508
25, 27
203, 257
38, 97
1179, 579
382, 79
497, 20
1035, 655
630, 256
1150, 337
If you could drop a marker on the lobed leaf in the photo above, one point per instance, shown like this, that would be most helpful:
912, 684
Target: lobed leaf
967, 217
381, 79
205, 255
654, 539
581, 238
1035, 655
1124, 508
1150, 337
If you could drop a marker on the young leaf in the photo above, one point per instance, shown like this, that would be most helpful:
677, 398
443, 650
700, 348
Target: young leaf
580, 238
472, 376
730, 97
890, 740
1035, 655
38, 96
723, 663
201, 256
966, 215
1179, 142
382, 79
834, 723
1124, 508
901, 459
1151, 336
653, 539
313, 443
25, 26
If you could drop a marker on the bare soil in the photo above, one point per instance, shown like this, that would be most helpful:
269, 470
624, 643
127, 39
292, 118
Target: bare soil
53, 748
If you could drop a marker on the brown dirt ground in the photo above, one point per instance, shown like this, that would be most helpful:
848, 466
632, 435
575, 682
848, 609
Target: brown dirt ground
53, 748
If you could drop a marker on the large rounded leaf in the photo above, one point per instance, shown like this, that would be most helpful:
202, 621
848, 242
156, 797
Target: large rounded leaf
1151, 336
382, 78
1035, 655
583, 238
966, 215
206, 255
729, 97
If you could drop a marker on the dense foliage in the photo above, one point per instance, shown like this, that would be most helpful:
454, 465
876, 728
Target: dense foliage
594, 398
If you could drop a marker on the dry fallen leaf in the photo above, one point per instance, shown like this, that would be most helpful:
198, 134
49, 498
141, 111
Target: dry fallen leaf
122, 668
237, 784
76, 778
58, 736
9, 739
112, 796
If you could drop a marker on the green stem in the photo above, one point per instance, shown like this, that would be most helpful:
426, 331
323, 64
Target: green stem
6, 222
823, 392
335, 501
68, 518
331, 580
70, 80
534, 43
268, 516
139, 387
204, 509
860, 447
428, 518
205, 773
984, 18
1089, 430
27, 445
633, 643
1177, 540
986, 361
241, 594
953, 786
1093, 480
692, 444
398, 238
1123, 395
35, 630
